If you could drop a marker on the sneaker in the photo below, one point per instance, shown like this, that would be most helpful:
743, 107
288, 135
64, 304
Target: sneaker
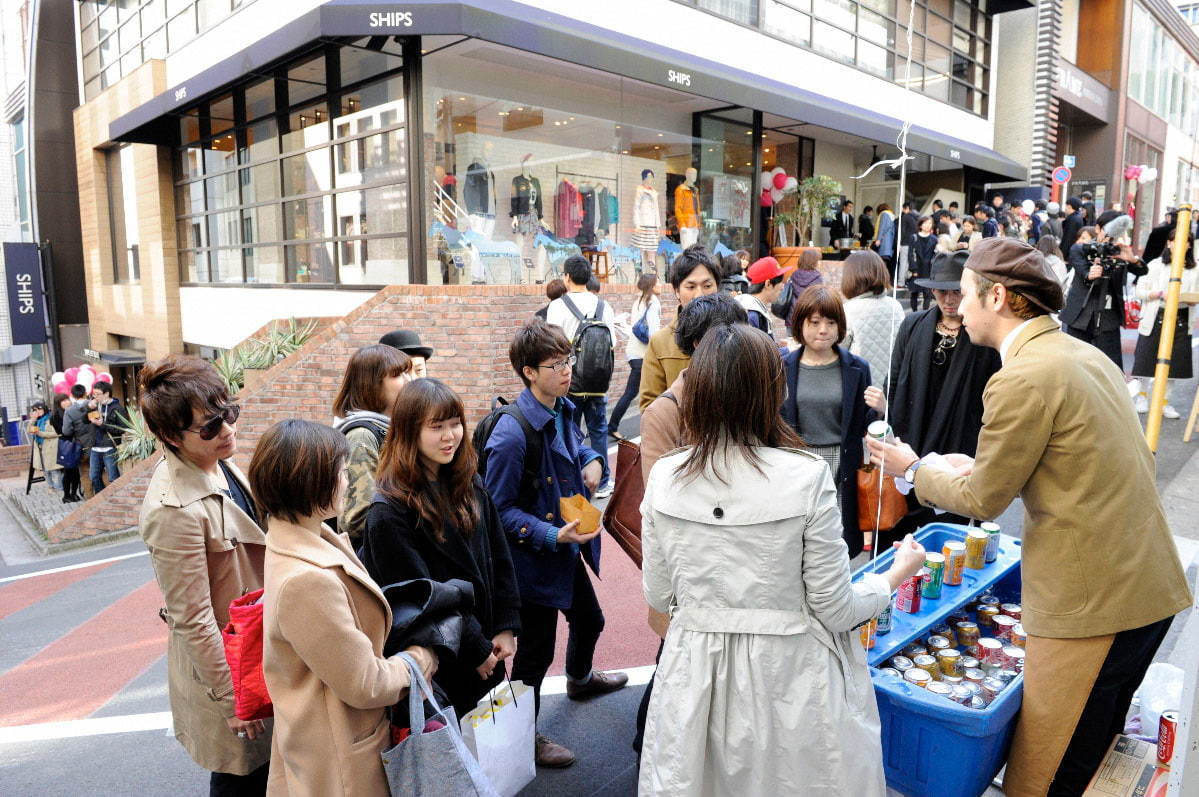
1170, 413
1142, 403
605, 492
600, 683
552, 755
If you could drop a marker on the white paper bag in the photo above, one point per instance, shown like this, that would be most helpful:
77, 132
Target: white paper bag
500, 732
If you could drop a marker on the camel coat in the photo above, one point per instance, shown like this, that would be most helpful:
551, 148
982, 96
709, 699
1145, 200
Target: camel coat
324, 625
205, 553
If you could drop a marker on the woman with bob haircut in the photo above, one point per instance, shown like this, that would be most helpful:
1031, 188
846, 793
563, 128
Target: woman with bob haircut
434, 520
872, 315
324, 624
760, 656
203, 529
827, 393
362, 411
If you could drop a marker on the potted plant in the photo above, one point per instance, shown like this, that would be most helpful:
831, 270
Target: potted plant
137, 443
815, 193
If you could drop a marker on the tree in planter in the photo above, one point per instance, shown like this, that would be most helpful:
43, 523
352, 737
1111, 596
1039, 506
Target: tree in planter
815, 194
137, 442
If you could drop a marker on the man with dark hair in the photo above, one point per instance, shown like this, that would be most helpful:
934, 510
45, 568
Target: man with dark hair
866, 226
842, 223
408, 341
1101, 575
550, 555
765, 284
110, 420
1094, 308
909, 224
569, 312
77, 427
1039, 217
986, 221
1074, 221
1088, 207
997, 204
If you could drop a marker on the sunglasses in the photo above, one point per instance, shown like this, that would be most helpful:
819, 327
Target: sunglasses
212, 427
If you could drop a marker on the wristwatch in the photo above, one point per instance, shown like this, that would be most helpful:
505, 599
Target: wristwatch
909, 475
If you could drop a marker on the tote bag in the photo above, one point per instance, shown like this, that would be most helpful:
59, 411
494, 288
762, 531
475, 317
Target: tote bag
622, 516
242, 636
432, 763
500, 733
870, 493
69, 453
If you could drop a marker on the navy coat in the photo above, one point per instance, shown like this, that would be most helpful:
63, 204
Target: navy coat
545, 576
855, 417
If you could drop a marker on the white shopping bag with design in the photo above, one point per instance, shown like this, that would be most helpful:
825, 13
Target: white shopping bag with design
500, 732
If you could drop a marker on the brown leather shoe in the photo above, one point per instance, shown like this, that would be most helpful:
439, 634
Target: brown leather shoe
600, 683
552, 755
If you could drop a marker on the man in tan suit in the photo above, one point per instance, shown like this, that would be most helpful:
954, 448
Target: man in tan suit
1101, 575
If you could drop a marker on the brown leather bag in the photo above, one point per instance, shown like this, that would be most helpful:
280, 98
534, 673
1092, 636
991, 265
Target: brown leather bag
622, 517
895, 506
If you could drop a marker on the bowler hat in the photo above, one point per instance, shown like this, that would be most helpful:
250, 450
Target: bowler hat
947, 271
406, 341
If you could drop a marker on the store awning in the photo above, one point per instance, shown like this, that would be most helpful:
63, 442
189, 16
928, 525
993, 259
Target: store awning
545, 33
123, 357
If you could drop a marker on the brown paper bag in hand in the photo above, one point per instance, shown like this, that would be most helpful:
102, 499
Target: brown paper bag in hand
576, 507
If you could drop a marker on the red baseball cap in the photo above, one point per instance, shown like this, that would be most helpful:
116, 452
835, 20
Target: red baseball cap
764, 270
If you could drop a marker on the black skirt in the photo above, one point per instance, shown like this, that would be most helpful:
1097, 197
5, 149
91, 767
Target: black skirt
1181, 358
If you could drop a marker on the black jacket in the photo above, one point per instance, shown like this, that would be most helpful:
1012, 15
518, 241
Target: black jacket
1070, 227
865, 229
526, 196
478, 193
908, 227
1087, 306
76, 426
920, 260
839, 228
398, 546
1156, 244
113, 429
957, 415
855, 417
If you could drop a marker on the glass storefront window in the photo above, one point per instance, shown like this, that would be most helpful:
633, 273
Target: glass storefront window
785, 21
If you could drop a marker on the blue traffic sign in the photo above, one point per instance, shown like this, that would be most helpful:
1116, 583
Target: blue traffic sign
1061, 175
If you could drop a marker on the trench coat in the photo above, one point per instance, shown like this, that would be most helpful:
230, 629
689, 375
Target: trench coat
324, 625
45, 449
761, 687
205, 552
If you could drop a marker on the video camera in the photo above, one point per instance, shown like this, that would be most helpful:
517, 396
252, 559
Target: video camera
1103, 254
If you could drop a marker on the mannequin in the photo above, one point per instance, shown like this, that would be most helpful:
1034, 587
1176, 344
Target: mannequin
647, 221
479, 193
686, 209
526, 210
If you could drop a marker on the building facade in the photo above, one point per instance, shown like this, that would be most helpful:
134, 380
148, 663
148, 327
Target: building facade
244, 161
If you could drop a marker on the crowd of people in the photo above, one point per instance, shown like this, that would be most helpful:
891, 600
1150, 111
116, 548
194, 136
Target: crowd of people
93, 420
749, 448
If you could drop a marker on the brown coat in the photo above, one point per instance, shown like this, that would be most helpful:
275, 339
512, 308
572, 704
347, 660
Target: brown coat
1060, 432
205, 553
663, 363
661, 427
325, 622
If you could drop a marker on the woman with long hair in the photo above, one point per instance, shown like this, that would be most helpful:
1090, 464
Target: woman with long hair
872, 315
647, 306
361, 411
436, 521
886, 239
760, 656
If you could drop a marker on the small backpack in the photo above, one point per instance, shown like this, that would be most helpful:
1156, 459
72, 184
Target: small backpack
531, 472
594, 352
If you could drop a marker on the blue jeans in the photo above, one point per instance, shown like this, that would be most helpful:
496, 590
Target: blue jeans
594, 410
101, 461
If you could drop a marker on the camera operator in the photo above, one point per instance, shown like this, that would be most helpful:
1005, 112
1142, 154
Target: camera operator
1094, 308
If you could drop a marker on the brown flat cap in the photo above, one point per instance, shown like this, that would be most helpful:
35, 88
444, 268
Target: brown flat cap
1020, 268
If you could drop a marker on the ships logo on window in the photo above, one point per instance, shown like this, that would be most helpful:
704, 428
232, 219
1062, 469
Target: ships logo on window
391, 19
682, 78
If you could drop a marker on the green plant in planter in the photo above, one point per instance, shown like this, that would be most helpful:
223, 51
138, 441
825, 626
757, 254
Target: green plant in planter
781, 221
815, 194
281, 340
231, 366
137, 442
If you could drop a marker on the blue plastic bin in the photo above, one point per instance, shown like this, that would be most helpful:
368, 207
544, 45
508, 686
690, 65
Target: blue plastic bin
933, 747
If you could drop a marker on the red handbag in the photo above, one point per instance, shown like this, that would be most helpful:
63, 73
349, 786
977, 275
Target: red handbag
1132, 313
242, 636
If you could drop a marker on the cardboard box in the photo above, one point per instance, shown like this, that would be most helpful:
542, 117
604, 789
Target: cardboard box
1129, 770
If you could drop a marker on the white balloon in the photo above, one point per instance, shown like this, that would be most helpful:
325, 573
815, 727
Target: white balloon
776, 194
1028, 206
1148, 174
86, 378
791, 185
777, 170
767, 181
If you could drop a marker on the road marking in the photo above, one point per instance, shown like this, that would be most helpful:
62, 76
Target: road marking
73, 729
79, 566
15, 597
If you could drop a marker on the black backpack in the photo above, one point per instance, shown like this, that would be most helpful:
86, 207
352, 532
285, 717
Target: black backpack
594, 351
531, 472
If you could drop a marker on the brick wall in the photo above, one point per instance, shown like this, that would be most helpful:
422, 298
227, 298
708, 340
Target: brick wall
14, 461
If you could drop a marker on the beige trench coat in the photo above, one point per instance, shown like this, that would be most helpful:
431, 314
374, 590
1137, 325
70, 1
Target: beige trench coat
205, 553
325, 622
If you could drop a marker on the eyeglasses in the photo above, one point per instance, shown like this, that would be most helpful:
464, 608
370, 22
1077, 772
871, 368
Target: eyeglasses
562, 366
211, 427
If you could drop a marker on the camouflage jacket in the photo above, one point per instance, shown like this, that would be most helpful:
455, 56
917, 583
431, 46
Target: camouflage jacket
360, 473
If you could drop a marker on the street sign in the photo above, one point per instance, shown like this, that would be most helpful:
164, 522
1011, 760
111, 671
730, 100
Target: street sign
91, 354
1068, 161
1061, 175
26, 305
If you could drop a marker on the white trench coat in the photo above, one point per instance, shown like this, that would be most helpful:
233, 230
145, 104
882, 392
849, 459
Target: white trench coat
762, 687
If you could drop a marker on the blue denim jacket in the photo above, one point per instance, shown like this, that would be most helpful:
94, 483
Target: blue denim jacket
544, 570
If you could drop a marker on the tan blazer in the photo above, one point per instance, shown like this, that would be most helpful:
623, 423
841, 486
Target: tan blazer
325, 622
663, 363
205, 553
1060, 432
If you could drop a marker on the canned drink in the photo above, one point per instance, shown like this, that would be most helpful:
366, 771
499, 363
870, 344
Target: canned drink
976, 549
952, 680
1015, 657
987, 599
974, 674
1003, 627
977, 702
991, 687
866, 633
1019, 638
951, 662
934, 574
957, 616
883, 626
902, 663
990, 667
986, 617
990, 651
1007, 675
938, 688
880, 430
918, 677
938, 643
947, 632
891, 671
955, 561
929, 665
907, 597
968, 634
913, 650
960, 694
1167, 733
969, 662
1012, 610
992, 532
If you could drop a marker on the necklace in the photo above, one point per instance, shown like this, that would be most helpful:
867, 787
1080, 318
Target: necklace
947, 340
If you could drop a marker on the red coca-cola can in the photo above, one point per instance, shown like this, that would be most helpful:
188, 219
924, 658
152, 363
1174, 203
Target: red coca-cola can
907, 597
1167, 732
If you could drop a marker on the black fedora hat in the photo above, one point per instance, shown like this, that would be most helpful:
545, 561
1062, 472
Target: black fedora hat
947, 271
406, 341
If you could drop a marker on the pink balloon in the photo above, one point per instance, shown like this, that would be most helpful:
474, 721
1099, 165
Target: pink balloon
61, 389
765, 200
780, 181
104, 377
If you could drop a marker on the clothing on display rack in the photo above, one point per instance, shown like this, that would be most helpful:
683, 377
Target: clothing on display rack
478, 193
609, 210
647, 219
568, 209
526, 196
587, 226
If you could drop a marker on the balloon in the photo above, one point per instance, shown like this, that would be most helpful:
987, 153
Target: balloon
61, 389
57, 376
1148, 174
104, 377
764, 200
776, 194
1028, 206
777, 170
780, 180
791, 185
765, 179
86, 378
71, 374
1132, 172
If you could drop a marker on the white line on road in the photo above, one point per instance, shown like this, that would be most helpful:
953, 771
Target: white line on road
79, 566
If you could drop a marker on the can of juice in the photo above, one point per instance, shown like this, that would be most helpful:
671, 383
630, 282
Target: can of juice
940, 689
929, 665
1019, 638
1003, 627
955, 561
991, 688
938, 643
957, 616
891, 671
1012, 610
946, 631
902, 663
977, 702
1015, 657
866, 633
951, 662
918, 677
986, 618
934, 575
992, 532
987, 599
969, 662
1167, 734
913, 649
990, 651
976, 549
974, 675
968, 634
907, 597
961, 694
